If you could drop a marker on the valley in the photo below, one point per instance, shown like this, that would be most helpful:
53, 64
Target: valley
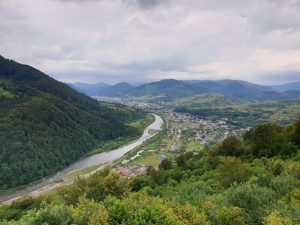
149, 112
45, 125
207, 170
198, 123
56, 137
204, 156
83, 167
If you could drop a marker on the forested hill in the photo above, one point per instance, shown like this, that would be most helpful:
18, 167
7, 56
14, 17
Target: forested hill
46, 125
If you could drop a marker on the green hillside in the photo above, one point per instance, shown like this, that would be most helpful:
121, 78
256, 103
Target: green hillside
208, 100
245, 114
165, 90
254, 180
117, 90
46, 125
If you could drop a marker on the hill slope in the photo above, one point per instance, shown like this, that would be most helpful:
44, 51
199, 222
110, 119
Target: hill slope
207, 100
272, 95
46, 125
170, 89
166, 90
117, 90
288, 86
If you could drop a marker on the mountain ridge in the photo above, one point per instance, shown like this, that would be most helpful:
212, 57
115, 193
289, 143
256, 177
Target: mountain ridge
170, 89
45, 125
288, 86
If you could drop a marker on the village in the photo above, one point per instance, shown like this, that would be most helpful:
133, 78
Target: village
182, 133
205, 132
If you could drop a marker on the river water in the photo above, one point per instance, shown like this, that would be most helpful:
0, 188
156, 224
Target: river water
100, 158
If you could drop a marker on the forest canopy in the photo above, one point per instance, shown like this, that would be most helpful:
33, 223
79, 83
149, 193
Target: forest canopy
46, 125
236, 182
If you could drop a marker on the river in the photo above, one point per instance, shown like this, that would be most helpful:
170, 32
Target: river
100, 158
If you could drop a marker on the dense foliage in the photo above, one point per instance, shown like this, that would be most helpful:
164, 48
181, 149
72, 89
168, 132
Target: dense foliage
237, 182
46, 125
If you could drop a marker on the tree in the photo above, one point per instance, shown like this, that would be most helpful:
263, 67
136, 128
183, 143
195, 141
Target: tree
181, 161
165, 164
276, 219
297, 132
84, 210
140, 182
251, 197
157, 176
232, 170
189, 215
230, 146
118, 211
100, 217
271, 140
113, 184
51, 214
230, 216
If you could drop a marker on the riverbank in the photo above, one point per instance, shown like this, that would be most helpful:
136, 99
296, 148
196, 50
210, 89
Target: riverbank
97, 159
119, 142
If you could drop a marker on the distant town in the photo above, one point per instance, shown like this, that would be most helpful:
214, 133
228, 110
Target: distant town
203, 131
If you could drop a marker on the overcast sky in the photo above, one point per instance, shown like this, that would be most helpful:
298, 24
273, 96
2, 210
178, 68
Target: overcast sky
144, 40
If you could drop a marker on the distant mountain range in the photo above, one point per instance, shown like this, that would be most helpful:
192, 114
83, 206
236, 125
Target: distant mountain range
89, 89
117, 90
171, 89
288, 86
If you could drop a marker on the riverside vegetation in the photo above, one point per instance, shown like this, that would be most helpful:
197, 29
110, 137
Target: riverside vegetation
253, 180
46, 125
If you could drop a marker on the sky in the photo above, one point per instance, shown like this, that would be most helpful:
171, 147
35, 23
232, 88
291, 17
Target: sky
145, 40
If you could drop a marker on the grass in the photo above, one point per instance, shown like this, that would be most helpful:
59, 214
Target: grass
86, 170
194, 146
166, 141
148, 159
111, 145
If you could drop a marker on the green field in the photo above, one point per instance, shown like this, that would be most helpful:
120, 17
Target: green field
148, 158
83, 171
152, 149
194, 146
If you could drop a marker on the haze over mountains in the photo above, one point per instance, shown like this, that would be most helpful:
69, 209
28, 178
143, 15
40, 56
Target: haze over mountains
171, 89
89, 89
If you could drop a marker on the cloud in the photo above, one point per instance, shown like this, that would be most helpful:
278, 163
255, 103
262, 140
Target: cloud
142, 4
128, 40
